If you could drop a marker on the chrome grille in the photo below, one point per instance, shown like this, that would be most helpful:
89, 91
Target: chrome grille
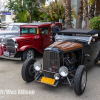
11, 46
51, 61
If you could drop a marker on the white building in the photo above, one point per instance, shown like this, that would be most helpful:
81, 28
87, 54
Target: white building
5, 16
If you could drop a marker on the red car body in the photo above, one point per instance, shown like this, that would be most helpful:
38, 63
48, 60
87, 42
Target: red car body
17, 47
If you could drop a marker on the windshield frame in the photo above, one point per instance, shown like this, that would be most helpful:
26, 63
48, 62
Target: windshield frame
10, 28
36, 29
77, 38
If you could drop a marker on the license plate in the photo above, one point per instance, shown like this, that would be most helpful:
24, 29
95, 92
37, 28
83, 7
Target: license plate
48, 80
6, 54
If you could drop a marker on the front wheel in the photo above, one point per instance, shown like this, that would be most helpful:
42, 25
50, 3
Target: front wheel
27, 71
28, 54
80, 80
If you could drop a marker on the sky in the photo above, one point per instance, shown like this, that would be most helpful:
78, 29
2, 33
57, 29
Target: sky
47, 2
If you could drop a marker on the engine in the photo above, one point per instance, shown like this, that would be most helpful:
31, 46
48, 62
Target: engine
70, 60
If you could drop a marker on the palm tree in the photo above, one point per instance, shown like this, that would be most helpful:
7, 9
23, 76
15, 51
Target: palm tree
68, 14
85, 13
97, 8
92, 10
56, 1
80, 14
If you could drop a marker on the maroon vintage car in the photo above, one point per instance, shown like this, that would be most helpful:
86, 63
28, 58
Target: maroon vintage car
33, 39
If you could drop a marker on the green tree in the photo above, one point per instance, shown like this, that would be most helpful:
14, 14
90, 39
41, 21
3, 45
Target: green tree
31, 6
55, 11
22, 16
95, 23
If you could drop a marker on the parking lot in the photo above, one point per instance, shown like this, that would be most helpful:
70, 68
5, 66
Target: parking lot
10, 78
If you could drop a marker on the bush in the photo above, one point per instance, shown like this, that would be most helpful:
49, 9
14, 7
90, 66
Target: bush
95, 23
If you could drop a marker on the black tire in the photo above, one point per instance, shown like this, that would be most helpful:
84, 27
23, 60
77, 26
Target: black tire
27, 67
81, 70
97, 59
24, 56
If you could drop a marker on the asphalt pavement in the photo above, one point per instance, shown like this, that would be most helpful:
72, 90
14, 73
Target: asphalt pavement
10, 79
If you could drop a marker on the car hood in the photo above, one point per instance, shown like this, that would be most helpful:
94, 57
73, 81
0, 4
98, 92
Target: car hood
66, 45
25, 38
8, 32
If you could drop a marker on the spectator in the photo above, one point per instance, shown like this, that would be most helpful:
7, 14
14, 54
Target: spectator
55, 29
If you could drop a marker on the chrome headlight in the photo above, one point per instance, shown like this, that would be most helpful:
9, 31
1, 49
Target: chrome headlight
16, 45
2, 42
56, 76
63, 71
37, 66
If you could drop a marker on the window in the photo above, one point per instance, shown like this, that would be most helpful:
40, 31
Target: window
28, 30
59, 26
24, 30
51, 30
44, 30
13, 28
32, 30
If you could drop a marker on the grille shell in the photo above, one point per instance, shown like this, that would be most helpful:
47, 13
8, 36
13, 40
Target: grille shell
51, 61
11, 46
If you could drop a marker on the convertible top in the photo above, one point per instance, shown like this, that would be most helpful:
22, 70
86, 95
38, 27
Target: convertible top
79, 31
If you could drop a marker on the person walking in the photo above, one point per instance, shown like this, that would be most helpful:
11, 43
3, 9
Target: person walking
55, 29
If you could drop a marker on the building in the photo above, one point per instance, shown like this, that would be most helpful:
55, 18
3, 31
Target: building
5, 15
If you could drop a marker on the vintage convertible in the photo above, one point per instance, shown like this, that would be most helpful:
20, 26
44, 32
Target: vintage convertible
66, 61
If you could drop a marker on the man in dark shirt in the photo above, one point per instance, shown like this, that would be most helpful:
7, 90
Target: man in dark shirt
55, 29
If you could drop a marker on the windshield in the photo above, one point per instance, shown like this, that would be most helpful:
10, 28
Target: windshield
12, 28
77, 38
28, 30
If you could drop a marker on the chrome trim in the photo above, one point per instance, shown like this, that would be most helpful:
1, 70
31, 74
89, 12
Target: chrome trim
10, 58
12, 39
10, 46
82, 57
51, 60
48, 71
90, 40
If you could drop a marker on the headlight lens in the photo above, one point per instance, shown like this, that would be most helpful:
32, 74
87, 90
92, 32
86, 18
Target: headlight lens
63, 71
37, 66
56, 76
2, 42
16, 45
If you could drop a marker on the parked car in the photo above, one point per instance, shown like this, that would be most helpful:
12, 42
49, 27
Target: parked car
12, 30
66, 61
34, 38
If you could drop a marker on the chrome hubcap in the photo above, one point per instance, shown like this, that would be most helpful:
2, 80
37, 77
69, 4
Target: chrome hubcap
30, 54
83, 81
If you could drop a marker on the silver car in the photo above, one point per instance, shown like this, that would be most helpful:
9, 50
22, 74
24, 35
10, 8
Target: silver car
12, 30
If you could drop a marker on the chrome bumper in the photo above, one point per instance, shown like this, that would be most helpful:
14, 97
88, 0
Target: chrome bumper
12, 58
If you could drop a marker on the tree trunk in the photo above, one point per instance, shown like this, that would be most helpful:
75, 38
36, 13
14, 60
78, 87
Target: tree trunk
31, 13
85, 13
68, 14
56, 1
80, 14
92, 10
30, 17
97, 8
